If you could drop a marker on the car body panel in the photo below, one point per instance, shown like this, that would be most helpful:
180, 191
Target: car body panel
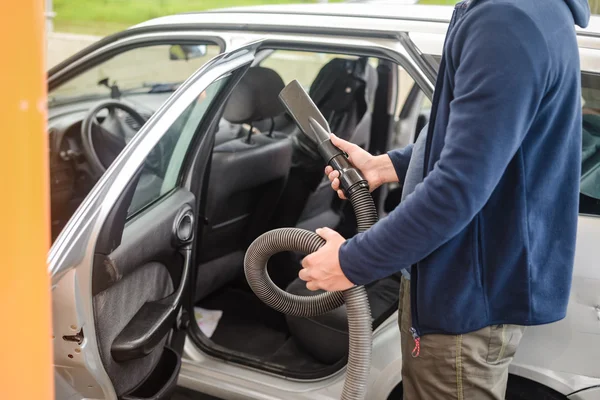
569, 338
342, 13
588, 394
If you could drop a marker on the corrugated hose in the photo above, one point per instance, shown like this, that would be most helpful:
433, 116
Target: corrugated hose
357, 304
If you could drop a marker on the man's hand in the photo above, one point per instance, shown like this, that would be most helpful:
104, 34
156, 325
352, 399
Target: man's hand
321, 269
376, 169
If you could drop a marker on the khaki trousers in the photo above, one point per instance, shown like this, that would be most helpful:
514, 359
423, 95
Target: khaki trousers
472, 366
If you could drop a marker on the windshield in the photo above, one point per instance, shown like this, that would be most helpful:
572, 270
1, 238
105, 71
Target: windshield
148, 69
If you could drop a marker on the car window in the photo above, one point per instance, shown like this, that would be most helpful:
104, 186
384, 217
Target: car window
590, 161
147, 69
300, 65
160, 173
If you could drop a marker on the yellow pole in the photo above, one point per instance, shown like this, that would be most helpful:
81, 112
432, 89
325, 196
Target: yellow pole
25, 341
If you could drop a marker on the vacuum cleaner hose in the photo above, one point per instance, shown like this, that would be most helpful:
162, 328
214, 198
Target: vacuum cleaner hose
357, 304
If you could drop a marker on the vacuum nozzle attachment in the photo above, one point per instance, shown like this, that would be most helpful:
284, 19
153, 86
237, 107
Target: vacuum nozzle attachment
312, 123
306, 114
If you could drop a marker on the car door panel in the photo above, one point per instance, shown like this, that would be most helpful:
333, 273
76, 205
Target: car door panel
148, 237
137, 306
114, 308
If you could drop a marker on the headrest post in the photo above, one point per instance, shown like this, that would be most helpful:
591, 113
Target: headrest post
249, 137
272, 127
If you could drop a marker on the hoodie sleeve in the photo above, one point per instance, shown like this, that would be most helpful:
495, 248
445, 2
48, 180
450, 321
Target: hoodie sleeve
500, 62
400, 160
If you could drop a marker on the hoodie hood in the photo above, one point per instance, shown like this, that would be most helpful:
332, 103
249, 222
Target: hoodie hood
580, 10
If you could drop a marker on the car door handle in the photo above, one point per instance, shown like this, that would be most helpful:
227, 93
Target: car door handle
151, 323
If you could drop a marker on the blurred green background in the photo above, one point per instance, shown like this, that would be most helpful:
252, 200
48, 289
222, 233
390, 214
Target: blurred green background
101, 17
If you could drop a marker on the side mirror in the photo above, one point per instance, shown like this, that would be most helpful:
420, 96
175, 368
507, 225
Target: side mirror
186, 51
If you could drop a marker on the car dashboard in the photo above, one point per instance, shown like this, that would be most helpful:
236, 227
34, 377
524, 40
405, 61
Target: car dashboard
71, 178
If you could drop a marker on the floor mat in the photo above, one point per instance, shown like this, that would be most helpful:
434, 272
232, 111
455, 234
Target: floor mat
250, 326
247, 325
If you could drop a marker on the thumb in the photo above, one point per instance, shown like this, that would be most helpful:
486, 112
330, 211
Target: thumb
327, 233
342, 144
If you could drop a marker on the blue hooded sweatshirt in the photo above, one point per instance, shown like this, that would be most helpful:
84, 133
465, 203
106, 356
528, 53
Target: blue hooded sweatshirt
490, 232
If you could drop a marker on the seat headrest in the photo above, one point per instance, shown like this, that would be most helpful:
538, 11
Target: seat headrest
255, 97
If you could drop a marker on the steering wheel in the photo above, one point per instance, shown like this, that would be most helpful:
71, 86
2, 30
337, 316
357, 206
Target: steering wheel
102, 141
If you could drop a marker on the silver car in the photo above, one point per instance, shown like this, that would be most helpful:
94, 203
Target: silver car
170, 153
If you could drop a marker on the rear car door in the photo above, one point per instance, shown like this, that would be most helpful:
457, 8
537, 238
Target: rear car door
575, 340
121, 267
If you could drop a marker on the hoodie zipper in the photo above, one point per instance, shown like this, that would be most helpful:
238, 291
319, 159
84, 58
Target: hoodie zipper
417, 350
415, 330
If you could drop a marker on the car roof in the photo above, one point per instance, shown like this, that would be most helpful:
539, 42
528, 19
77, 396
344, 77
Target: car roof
365, 9
385, 9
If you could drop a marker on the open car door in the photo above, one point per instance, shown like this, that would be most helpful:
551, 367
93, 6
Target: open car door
121, 267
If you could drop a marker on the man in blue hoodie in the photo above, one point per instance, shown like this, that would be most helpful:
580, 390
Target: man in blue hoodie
489, 216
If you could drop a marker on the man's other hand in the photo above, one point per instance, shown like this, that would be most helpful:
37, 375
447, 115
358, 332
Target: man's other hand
321, 269
377, 170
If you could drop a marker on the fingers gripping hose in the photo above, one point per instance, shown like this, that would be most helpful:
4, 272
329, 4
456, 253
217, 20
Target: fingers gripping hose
357, 305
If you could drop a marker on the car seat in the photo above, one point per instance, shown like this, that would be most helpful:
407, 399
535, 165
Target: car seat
344, 90
247, 176
325, 337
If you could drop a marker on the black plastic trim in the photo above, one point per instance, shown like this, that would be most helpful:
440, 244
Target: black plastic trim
161, 382
111, 234
184, 227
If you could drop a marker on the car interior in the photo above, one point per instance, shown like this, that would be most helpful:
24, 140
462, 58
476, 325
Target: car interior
274, 180
261, 175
